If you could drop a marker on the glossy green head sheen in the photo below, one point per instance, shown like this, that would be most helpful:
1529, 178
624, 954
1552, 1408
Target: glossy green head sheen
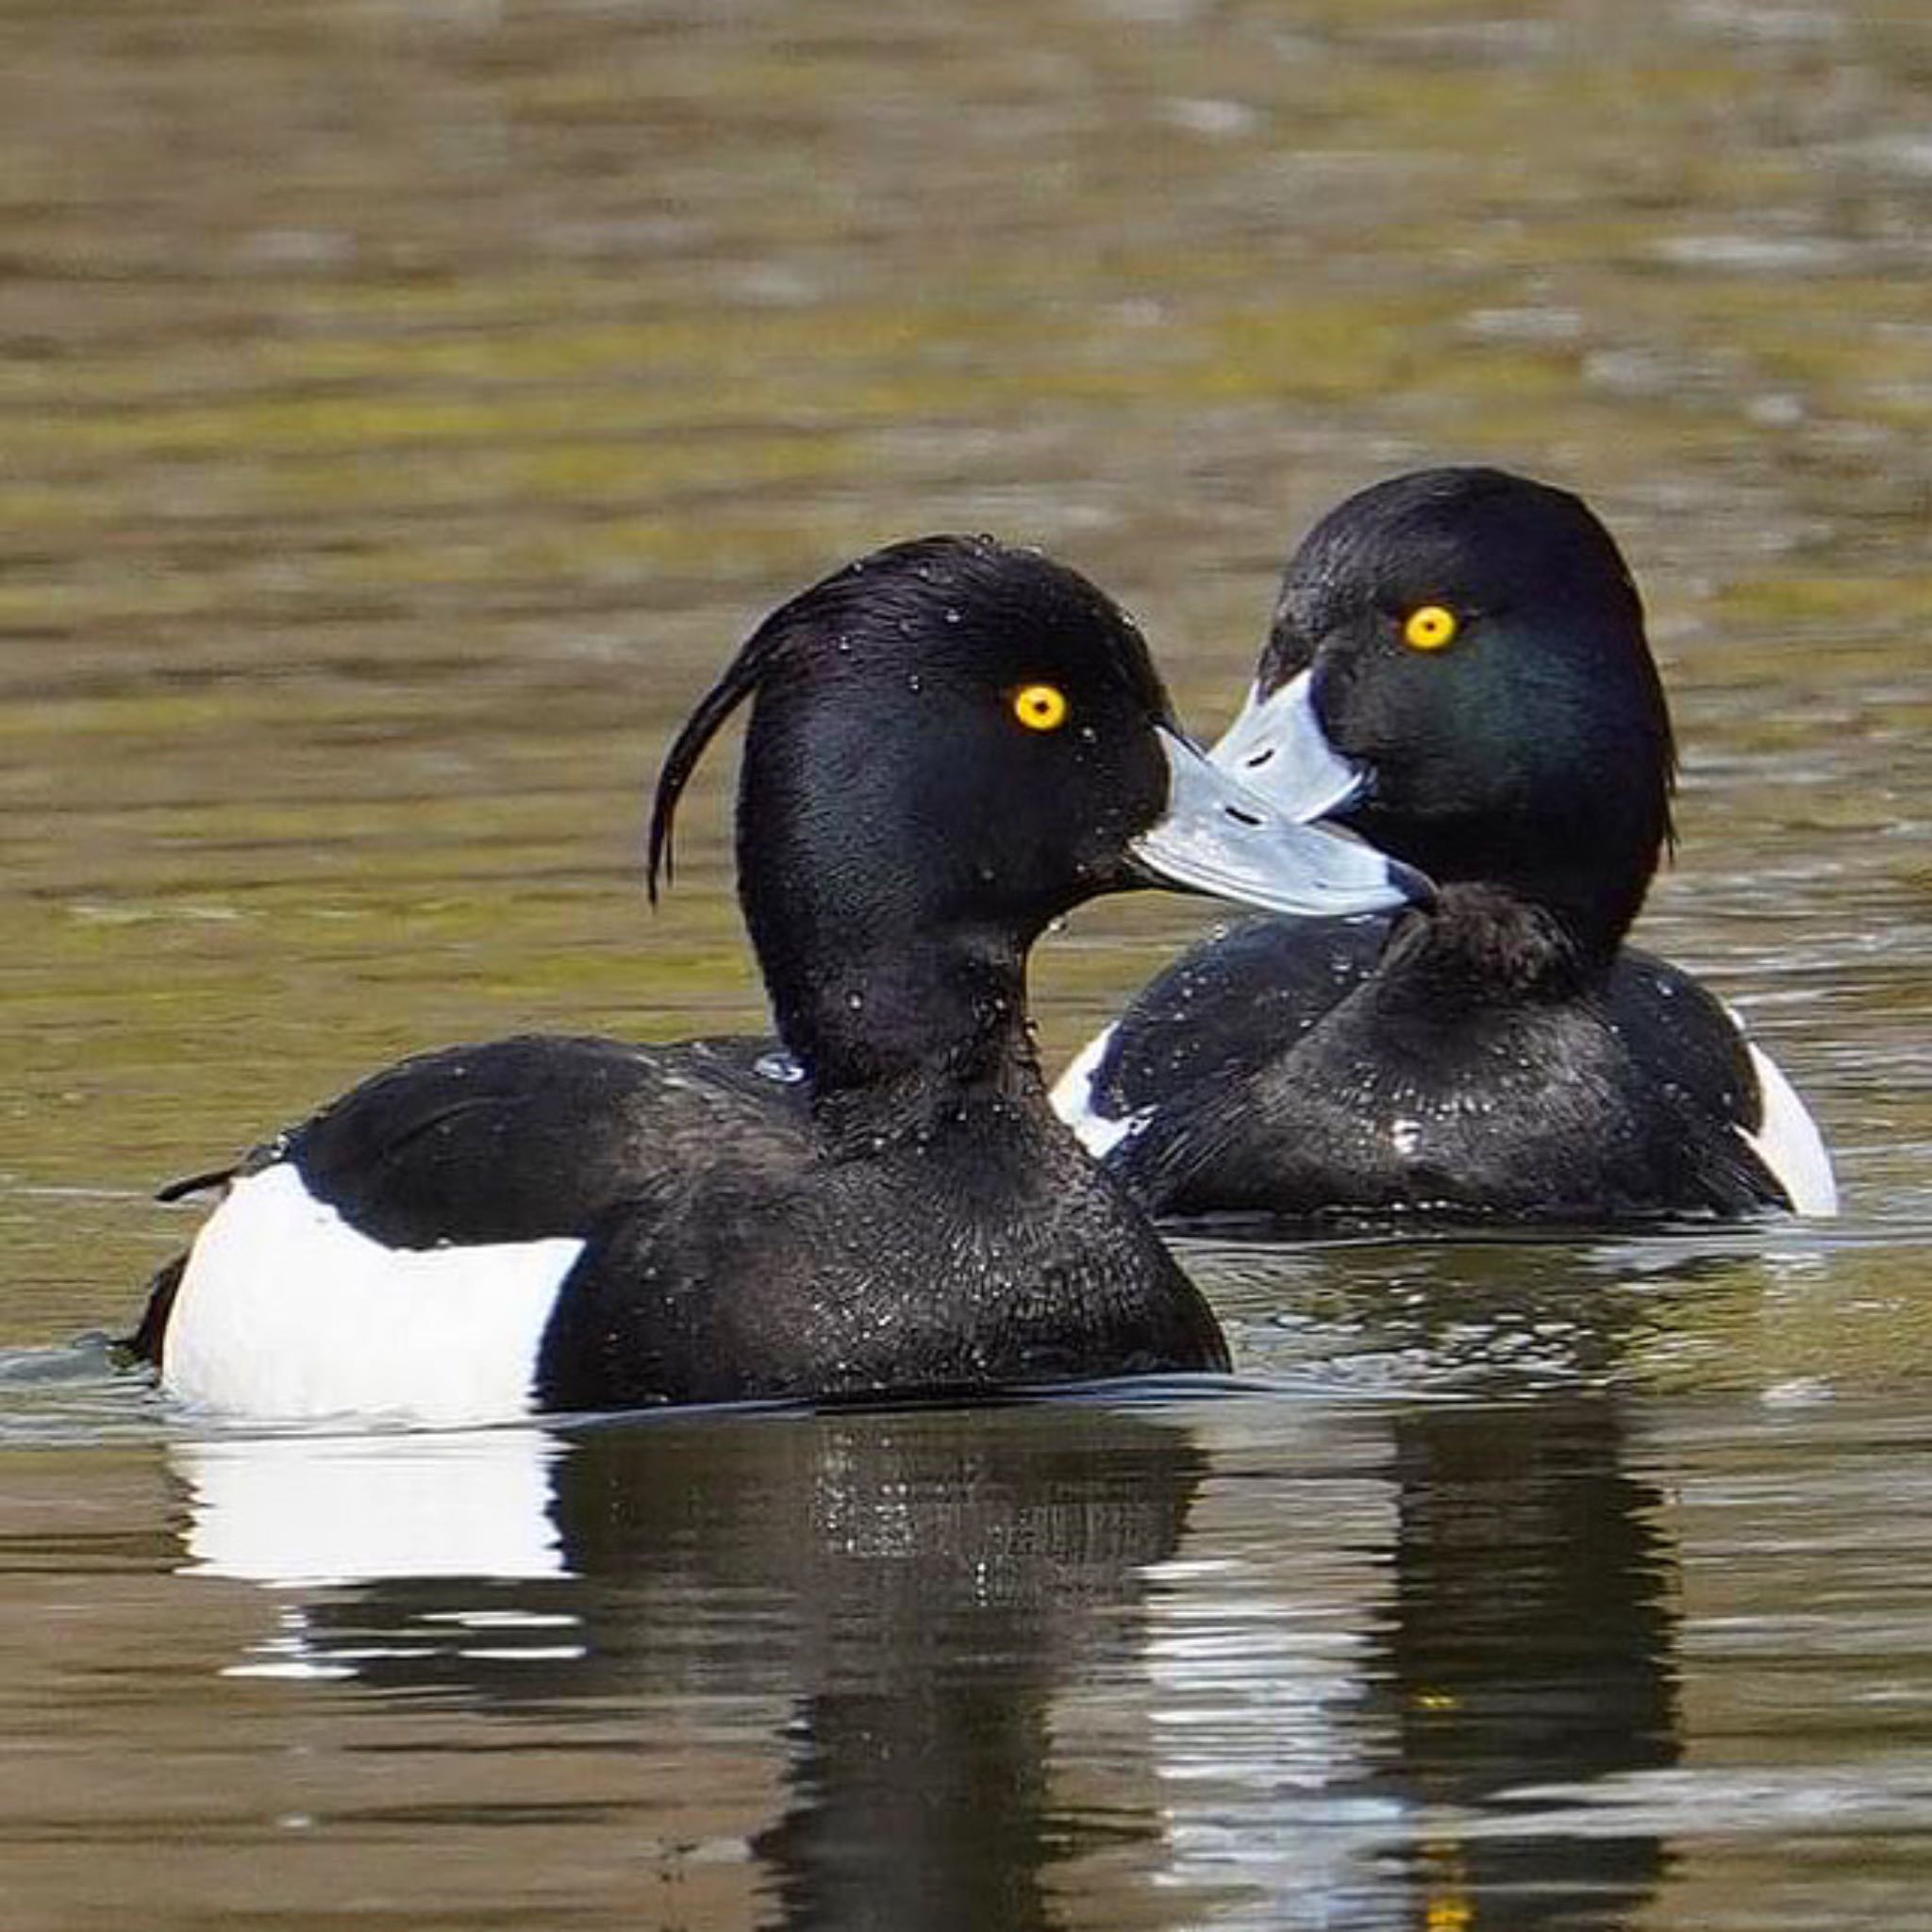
1470, 647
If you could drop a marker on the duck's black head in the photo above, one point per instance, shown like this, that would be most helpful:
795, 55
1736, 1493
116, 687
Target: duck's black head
1473, 645
952, 743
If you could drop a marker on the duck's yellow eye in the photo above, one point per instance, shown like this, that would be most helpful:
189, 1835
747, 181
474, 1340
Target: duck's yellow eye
1429, 629
1041, 707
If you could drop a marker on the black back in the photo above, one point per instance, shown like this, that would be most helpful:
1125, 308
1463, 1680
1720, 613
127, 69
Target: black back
1291, 1072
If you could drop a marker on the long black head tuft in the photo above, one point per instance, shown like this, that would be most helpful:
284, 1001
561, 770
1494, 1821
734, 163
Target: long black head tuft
951, 743
928, 602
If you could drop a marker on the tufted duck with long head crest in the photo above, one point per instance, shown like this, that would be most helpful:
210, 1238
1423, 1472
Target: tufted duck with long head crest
951, 743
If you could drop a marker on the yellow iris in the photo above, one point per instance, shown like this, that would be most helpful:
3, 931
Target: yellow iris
1041, 707
1429, 629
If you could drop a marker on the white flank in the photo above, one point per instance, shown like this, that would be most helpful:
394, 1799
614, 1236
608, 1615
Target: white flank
1073, 1100
1787, 1141
287, 1313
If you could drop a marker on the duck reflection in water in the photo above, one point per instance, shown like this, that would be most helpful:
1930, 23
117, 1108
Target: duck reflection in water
1014, 1667
1528, 1656
881, 1606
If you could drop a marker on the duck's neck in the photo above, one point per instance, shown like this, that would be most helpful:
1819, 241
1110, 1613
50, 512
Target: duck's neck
1481, 942
1524, 901
892, 965
907, 1029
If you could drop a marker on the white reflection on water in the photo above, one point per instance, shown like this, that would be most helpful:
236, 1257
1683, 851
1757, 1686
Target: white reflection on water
1261, 1669
299, 1511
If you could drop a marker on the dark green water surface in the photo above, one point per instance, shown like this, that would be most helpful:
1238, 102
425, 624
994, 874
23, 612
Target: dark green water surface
404, 411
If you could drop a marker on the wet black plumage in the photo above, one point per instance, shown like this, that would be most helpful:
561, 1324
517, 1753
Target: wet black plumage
1502, 1051
909, 1216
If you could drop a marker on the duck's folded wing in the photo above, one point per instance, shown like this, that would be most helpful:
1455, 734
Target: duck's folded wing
476, 1153
1139, 1095
1758, 1142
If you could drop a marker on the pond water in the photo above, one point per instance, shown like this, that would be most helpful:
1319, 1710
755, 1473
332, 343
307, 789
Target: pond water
403, 409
